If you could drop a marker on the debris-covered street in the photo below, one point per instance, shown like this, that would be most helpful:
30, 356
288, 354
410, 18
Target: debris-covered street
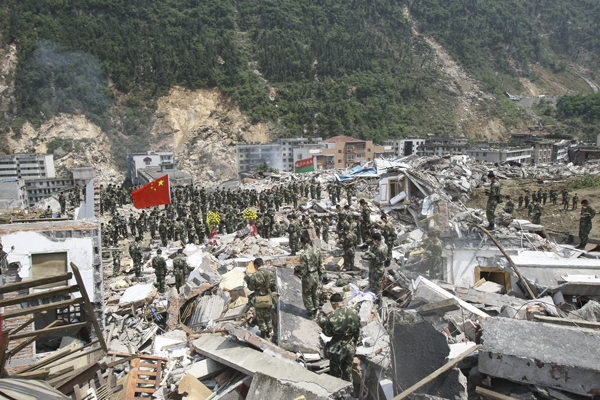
228, 292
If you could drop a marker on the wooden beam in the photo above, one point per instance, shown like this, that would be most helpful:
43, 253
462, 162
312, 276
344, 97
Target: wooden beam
492, 394
41, 374
521, 281
68, 354
13, 287
568, 322
27, 342
43, 307
83, 375
121, 361
46, 331
26, 324
39, 295
445, 368
88, 307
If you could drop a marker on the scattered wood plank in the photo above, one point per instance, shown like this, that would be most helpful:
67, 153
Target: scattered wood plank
43, 307
39, 295
13, 287
88, 307
492, 394
568, 322
47, 330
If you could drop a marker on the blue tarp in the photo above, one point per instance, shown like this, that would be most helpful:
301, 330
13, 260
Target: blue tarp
355, 170
343, 177
366, 171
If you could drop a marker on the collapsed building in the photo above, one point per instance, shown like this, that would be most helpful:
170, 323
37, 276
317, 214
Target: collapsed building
516, 313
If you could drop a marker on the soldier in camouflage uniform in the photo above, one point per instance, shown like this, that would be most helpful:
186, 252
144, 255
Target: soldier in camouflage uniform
343, 326
433, 255
63, 203
162, 231
153, 225
575, 201
310, 271
160, 270
510, 206
132, 226
355, 227
325, 229
264, 284
116, 256
493, 200
294, 234
180, 269
554, 197
348, 243
536, 213
135, 251
365, 218
566, 198
378, 257
585, 222
389, 235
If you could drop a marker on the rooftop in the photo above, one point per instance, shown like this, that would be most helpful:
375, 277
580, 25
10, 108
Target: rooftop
337, 139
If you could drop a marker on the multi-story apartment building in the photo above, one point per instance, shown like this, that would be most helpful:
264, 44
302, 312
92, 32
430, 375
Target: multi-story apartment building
348, 151
25, 166
288, 145
405, 147
522, 155
443, 146
542, 151
560, 150
38, 189
137, 161
250, 156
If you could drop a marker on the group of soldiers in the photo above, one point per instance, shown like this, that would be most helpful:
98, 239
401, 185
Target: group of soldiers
185, 219
342, 324
533, 203
541, 197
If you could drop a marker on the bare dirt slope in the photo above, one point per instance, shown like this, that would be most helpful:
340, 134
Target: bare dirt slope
202, 128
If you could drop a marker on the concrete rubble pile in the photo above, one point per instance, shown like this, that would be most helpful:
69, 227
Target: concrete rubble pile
449, 338
510, 313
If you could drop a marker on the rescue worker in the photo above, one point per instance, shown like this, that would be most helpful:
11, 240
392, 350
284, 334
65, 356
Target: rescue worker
264, 298
310, 271
343, 326
160, 270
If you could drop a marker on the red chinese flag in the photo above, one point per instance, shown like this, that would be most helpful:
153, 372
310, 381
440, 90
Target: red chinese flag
153, 194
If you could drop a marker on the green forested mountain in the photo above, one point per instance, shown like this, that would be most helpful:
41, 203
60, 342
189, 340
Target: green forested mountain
338, 66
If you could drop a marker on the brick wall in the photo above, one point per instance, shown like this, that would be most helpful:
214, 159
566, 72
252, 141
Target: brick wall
11, 275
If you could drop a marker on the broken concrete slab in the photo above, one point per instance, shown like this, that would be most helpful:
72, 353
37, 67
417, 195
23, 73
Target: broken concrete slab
419, 350
232, 279
265, 345
138, 294
278, 375
267, 387
295, 331
375, 344
439, 307
559, 357
429, 292
205, 368
208, 309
